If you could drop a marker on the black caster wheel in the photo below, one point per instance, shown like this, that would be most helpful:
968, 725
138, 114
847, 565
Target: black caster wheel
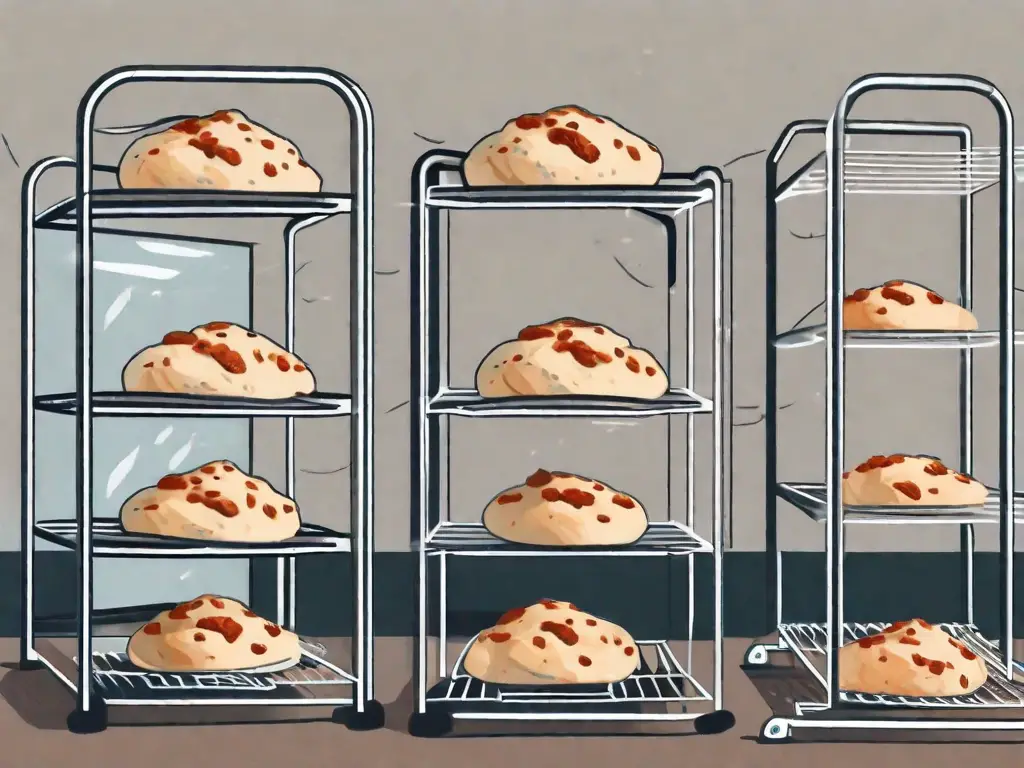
718, 721
370, 719
30, 665
93, 721
430, 724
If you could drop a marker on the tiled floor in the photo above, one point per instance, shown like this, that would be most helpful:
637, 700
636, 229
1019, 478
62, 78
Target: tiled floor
32, 733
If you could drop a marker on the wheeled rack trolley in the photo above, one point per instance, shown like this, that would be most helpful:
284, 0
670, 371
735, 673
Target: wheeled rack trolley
101, 678
664, 688
839, 171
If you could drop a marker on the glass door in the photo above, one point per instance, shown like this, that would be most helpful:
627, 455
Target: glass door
143, 287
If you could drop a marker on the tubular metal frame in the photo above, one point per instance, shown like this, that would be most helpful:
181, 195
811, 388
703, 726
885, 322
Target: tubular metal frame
431, 393
359, 204
830, 714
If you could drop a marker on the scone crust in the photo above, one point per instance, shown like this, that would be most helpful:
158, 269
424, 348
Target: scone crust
906, 481
212, 633
552, 642
570, 356
565, 145
221, 151
216, 501
219, 358
905, 306
560, 509
910, 658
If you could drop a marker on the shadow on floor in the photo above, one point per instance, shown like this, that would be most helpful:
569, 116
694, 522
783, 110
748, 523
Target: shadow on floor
782, 682
44, 703
399, 711
37, 697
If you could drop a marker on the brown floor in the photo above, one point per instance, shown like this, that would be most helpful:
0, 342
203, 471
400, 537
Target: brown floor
32, 733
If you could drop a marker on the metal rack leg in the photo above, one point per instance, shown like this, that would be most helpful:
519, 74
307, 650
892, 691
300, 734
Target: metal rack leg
90, 714
773, 557
966, 393
285, 578
442, 634
285, 592
721, 719
28, 658
691, 384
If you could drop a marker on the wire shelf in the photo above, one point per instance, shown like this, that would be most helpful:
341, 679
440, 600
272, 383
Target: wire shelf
665, 682
469, 539
172, 204
896, 172
116, 678
468, 402
197, 406
663, 197
815, 334
810, 641
810, 498
110, 540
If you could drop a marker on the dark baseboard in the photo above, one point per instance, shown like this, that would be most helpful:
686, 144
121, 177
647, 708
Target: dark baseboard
634, 592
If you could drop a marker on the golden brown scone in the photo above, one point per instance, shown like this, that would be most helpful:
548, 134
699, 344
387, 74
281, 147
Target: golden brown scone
218, 359
225, 150
908, 481
551, 643
212, 633
903, 306
910, 658
563, 146
560, 509
570, 357
214, 502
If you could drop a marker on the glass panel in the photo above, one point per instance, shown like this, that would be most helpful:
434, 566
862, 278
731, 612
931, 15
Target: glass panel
142, 287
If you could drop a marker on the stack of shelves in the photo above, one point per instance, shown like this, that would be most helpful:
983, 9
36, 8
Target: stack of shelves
663, 680
98, 677
839, 171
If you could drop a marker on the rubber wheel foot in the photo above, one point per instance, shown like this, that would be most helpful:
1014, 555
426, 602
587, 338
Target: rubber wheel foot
30, 665
718, 721
370, 719
430, 724
93, 721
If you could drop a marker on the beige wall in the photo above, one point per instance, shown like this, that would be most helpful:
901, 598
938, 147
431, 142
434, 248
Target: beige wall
706, 81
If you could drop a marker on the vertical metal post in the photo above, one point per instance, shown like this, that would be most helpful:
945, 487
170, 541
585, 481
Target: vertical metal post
966, 382
713, 177
28, 655
835, 143
83, 399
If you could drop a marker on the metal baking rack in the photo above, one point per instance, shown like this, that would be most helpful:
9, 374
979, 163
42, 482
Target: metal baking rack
99, 678
664, 689
840, 171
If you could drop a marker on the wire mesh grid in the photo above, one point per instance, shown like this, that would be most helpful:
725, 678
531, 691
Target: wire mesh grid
660, 538
117, 678
809, 642
667, 682
812, 500
908, 172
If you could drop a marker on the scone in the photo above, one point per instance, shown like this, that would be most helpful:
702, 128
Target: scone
218, 359
910, 658
212, 634
559, 509
907, 481
570, 357
214, 502
552, 643
903, 306
562, 146
225, 150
